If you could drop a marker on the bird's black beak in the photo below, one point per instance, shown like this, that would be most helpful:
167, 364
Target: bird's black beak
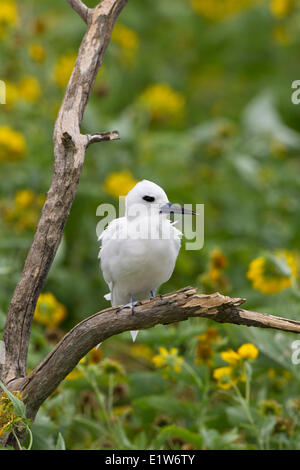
170, 208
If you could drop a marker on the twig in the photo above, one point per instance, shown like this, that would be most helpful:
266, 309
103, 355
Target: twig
100, 137
81, 9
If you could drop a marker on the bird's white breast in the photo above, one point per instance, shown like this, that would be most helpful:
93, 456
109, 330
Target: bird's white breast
138, 261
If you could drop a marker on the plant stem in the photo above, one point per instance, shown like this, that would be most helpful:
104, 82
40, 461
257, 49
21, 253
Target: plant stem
16, 437
110, 392
245, 404
193, 374
30, 438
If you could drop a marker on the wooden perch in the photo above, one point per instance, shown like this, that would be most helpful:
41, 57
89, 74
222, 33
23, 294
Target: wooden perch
69, 153
174, 307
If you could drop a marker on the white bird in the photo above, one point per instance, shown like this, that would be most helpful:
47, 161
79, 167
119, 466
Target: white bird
138, 252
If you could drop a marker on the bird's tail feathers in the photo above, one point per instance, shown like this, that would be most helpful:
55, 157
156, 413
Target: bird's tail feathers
134, 334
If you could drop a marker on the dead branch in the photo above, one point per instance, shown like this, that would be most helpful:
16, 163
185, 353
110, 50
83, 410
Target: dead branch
81, 9
69, 152
174, 307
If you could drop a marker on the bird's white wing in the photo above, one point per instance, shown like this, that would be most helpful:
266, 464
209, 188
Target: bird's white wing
108, 239
177, 235
111, 231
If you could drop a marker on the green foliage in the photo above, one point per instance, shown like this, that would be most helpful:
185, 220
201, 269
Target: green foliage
233, 145
18, 420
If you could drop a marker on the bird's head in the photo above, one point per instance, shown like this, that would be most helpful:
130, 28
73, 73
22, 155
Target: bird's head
151, 197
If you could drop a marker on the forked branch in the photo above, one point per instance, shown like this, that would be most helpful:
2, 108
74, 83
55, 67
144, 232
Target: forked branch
69, 152
81, 9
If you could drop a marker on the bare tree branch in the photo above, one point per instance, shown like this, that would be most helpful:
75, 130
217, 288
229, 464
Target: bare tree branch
174, 307
101, 136
69, 152
81, 9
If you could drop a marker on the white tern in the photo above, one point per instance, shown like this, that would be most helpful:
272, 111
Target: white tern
139, 251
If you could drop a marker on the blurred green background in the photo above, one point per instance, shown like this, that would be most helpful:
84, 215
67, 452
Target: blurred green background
200, 92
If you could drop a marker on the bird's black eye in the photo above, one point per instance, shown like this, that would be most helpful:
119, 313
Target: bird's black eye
149, 198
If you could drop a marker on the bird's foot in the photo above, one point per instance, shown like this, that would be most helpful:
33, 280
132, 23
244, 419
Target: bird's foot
152, 296
130, 305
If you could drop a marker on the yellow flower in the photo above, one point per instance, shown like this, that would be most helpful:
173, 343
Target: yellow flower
77, 372
218, 10
168, 359
127, 40
74, 374
29, 89
282, 8
111, 366
63, 69
248, 351
215, 274
159, 359
24, 212
204, 350
214, 279
122, 410
230, 356
12, 144
24, 198
270, 407
119, 183
37, 52
49, 312
210, 335
235, 372
8, 16
95, 356
163, 103
7, 412
204, 353
142, 350
215, 271
217, 259
270, 276
224, 377
12, 93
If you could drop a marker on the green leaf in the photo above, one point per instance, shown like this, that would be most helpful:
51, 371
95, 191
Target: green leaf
176, 431
147, 407
146, 383
267, 427
236, 415
43, 430
213, 439
60, 443
19, 405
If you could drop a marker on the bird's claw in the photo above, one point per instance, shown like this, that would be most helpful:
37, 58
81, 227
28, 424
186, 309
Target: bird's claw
130, 305
152, 296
